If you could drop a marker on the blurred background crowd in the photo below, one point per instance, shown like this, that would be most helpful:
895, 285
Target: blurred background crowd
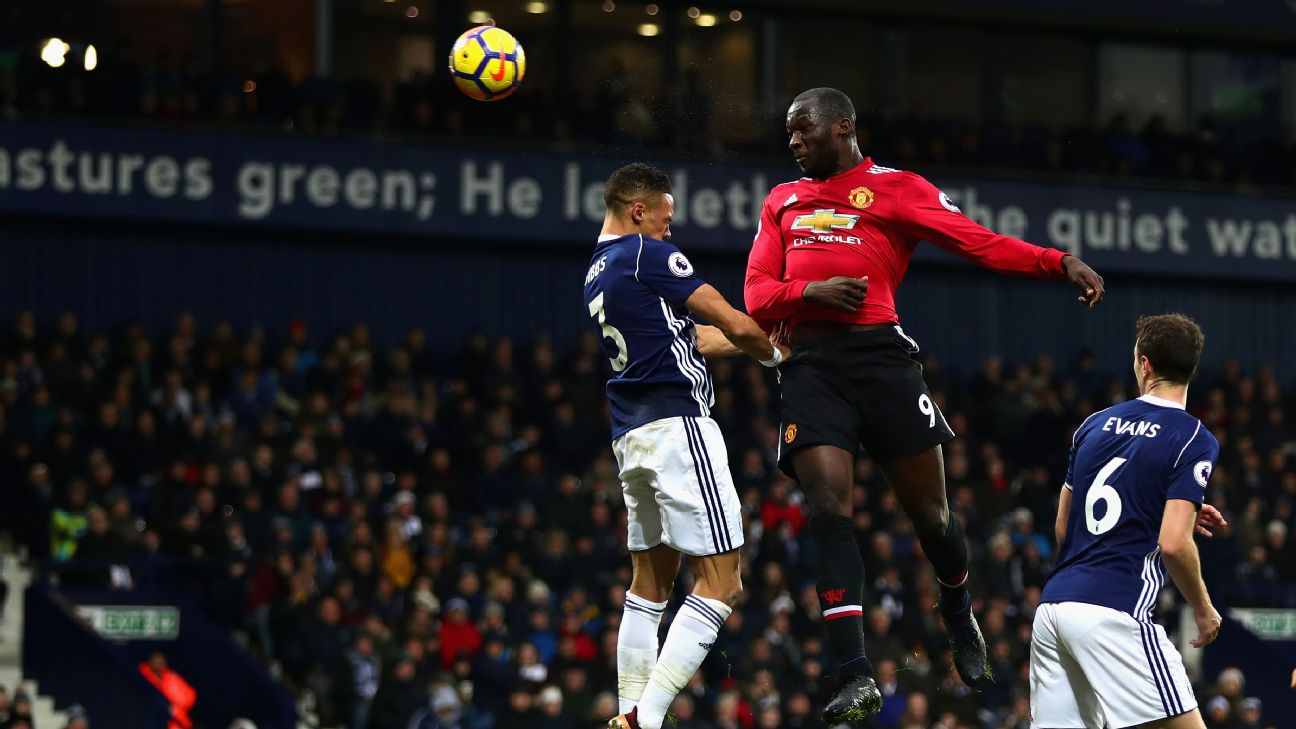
177, 91
416, 538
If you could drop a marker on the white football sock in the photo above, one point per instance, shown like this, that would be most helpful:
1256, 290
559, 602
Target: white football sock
636, 648
688, 642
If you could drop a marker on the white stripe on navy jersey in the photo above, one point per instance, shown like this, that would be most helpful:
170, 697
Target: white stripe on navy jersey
688, 366
1151, 587
693, 370
638, 256
1190, 440
676, 326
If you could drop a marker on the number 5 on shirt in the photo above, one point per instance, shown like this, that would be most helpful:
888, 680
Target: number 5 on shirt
610, 332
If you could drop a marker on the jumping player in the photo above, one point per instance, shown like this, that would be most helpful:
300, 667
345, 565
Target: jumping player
1127, 513
830, 252
640, 290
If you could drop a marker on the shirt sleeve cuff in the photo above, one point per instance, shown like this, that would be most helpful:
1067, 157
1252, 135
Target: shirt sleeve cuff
1053, 261
798, 289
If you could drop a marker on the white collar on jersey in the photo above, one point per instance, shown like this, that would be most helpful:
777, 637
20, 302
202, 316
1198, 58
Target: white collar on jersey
1163, 402
608, 236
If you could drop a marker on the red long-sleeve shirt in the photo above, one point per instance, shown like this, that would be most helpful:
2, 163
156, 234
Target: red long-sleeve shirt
866, 221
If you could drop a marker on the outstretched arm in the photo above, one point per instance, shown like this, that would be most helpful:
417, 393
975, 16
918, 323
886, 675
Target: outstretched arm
711, 342
741, 332
930, 215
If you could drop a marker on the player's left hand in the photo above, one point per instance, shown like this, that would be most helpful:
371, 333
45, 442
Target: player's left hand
1086, 279
1208, 627
1209, 518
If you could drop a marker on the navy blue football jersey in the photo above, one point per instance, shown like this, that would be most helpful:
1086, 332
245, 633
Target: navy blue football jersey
1126, 462
635, 292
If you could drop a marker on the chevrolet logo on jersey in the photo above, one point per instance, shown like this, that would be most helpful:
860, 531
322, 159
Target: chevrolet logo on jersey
824, 221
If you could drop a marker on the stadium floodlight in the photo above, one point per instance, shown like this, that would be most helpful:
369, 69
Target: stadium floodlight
706, 20
649, 30
91, 58
54, 52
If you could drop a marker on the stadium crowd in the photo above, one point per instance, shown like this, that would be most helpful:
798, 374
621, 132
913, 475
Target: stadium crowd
177, 91
432, 541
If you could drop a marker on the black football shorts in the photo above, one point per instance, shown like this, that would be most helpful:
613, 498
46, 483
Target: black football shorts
858, 388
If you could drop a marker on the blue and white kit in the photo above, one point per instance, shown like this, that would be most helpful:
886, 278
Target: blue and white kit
1097, 658
673, 462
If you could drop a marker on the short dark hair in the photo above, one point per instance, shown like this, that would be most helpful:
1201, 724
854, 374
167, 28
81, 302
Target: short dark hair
634, 183
828, 101
1172, 343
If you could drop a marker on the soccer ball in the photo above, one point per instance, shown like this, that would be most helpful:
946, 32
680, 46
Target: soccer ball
487, 63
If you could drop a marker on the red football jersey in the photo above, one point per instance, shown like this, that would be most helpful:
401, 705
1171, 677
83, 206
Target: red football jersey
866, 222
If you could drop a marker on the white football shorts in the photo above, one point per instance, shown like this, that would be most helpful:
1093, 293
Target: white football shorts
677, 487
1093, 667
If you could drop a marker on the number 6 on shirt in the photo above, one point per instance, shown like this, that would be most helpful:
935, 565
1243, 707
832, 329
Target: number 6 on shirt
1100, 491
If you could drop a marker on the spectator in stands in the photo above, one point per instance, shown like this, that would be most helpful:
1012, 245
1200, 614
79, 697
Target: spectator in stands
443, 711
366, 666
1219, 713
171, 685
1249, 714
398, 696
103, 551
20, 711
77, 718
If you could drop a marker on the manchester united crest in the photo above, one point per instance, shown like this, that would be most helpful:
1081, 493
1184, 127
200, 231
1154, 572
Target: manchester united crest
861, 197
789, 435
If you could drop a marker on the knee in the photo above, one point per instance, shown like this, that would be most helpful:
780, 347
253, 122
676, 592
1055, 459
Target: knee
931, 521
719, 584
827, 499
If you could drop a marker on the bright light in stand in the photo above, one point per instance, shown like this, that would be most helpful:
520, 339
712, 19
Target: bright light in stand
735, 15
91, 58
412, 12
480, 17
608, 6
537, 8
53, 52
648, 30
651, 9
694, 12
706, 21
